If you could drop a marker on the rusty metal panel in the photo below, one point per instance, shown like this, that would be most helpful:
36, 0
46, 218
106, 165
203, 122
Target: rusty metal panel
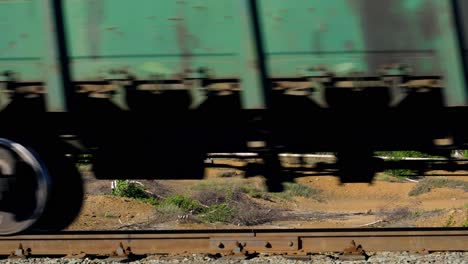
148, 37
351, 36
21, 40
169, 37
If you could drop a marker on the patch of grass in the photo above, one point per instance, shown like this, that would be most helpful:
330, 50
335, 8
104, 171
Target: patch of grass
426, 185
184, 203
215, 189
405, 154
84, 159
400, 213
293, 189
218, 213
125, 188
450, 222
398, 155
465, 222
230, 202
300, 190
400, 173
110, 215
167, 212
150, 200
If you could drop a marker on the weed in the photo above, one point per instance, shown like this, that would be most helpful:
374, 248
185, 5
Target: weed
426, 185
150, 200
405, 154
230, 203
248, 215
84, 159
109, 215
400, 213
398, 155
125, 188
400, 173
167, 212
213, 191
450, 222
186, 204
293, 189
218, 213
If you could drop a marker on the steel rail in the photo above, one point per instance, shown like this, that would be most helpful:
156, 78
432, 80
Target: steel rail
291, 241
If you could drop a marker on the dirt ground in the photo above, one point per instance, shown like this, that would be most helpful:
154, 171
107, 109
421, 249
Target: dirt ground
382, 204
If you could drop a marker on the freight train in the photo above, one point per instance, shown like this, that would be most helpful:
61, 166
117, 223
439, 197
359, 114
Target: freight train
148, 88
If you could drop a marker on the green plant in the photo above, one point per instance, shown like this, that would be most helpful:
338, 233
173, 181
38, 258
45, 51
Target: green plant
293, 189
185, 203
126, 188
83, 159
167, 212
405, 154
218, 213
450, 222
426, 185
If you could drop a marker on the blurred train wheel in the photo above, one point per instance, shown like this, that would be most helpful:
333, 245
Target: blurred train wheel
37, 192
357, 166
66, 193
24, 187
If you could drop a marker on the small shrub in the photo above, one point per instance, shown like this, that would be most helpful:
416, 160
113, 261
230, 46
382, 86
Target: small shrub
212, 191
450, 222
168, 212
399, 173
250, 215
125, 188
150, 200
184, 203
292, 189
218, 213
426, 185
405, 154
400, 213
84, 159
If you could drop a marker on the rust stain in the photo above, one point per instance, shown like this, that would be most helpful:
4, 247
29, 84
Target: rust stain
349, 45
24, 35
12, 44
183, 40
200, 7
175, 19
151, 17
278, 19
95, 14
311, 10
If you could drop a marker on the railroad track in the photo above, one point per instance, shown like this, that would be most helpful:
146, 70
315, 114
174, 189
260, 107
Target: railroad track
294, 242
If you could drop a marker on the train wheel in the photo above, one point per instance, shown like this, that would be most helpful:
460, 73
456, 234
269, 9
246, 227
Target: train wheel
24, 187
357, 166
39, 192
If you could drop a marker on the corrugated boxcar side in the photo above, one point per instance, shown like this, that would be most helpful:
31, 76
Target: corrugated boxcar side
21, 38
167, 37
148, 37
354, 35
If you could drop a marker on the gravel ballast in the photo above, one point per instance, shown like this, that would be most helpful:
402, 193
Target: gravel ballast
382, 257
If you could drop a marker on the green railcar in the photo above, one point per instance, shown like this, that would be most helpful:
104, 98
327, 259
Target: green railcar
149, 87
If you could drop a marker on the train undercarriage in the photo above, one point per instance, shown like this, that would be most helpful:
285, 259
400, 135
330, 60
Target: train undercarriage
43, 191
